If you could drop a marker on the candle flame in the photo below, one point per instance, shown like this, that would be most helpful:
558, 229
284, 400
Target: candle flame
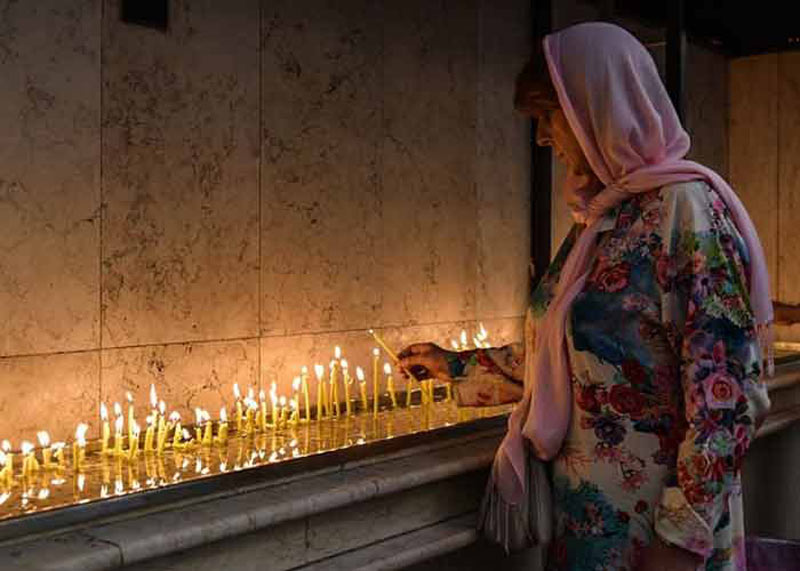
360, 373
174, 417
151, 418
478, 342
137, 430
81, 481
283, 401
463, 337
251, 394
262, 396
103, 411
293, 404
223, 415
296, 384
482, 334
455, 345
26, 447
117, 409
153, 396
186, 434
2, 458
198, 415
376, 352
236, 392
319, 370
6, 446
80, 434
337, 352
274, 398
332, 365
252, 405
206, 416
387, 368
44, 438
118, 424
304, 370
344, 364
162, 407
273, 391
58, 446
129, 397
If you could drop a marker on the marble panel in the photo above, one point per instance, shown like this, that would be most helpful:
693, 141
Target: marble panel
48, 392
502, 163
180, 175
185, 375
283, 356
429, 146
789, 177
707, 107
49, 176
321, 203
753, 146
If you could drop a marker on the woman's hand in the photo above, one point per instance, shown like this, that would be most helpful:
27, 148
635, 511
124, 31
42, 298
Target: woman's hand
659, 556
431, 357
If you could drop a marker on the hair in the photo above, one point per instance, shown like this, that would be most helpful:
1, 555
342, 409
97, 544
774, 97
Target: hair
533, 89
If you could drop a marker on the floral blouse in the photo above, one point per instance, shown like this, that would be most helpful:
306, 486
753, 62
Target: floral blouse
665, 366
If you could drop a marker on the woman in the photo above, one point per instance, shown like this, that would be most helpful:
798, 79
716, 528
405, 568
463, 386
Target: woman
642, 364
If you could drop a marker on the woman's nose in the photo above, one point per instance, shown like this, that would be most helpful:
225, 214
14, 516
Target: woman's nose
543, 133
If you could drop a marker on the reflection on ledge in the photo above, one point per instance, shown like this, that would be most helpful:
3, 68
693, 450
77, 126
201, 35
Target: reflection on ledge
99, 476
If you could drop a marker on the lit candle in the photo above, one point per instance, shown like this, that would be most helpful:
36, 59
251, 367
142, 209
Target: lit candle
198, 423
131, 418
334, 387
222, 430
175, 421
296, 397
44, 443
387, 370
79, 446
362, 384
208, 436
161, 437
8, 467
273, 397
463, 340
375, 356
153, 401
58, 452
133, 449
149, 434
262, 398
119, 424
455, 345
304, 381
106, 435
319, 371
238, 395
29, 461
282, 402
346, 382
294, 416
249, 405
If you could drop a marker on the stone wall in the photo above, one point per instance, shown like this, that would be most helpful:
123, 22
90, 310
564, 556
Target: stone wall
227, 201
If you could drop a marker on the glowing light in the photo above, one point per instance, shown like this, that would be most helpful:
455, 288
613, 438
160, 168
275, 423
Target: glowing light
236, 392
463, 337
387, 369
103, 411
376, 352
175, 417
296, 384
117, 409
153, 396
44, 438
129, 397
26, 447
7, 445
359, 373
223, 415
337, 352
344, 364
162, 407
319, 371
80, 434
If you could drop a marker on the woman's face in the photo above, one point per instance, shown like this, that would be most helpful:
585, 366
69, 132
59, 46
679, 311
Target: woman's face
553, 130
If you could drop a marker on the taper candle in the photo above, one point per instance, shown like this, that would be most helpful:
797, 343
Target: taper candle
387, 370
8, 468
222, 429
375, 357
362, 385
296, 396
346, 383
149, 434
106, 434
175, 421
208, 434
29, 461
58, 452
334, 387
238, 395
319, 371
161, 432
131, 417
133, 444
304, 381
273, 397
198, 423
262, 419
44, 444
79, 446
282, 402
119, 425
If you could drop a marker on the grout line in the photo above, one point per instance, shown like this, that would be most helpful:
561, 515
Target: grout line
778, 276
260, 128
101, 214
271, 336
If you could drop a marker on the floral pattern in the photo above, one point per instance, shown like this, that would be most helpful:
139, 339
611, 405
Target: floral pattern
666, 370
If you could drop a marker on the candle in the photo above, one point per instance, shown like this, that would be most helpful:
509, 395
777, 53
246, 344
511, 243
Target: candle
149, 434
133, 449
106, 435
463, 340
304, 381
455, 345
131, 418
282, 402
319, 370
375, 356
161, 436
334, 387
362, 383
119, 424
209, 427
262, 398
346, 382
222, 430
249, 405
238, 395
198, 423
8, 466
175, 421
79, 446
273, 397
296, 397
153, 401
29, 461
387, 370
58, 452
294, 416
44, 443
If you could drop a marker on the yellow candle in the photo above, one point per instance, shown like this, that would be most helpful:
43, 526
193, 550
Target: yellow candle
294, 416
362, 383
79, 446
154, 402
455, 345
346, 382
262, 398
149, 434
106, 434
29, 461
282, 402
177, 435
208, 437
387, 370
198, 423
133, 445
131, 418
304, 381
449, 387
119, 424
375, 356
58, 452
273, 397
44, 443
161, 433
319, 371
239, 417
334, 380
464, 346
8, 467
222, 430
248, 425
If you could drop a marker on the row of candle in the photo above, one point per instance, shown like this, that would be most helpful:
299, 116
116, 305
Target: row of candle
251, 415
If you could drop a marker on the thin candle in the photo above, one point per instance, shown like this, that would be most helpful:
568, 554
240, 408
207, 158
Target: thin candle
29, 461
387, 370
161, 433
79, 446
8, 467
44, 443
463, 340
273, 397
376, 355
208, 436
222, 430
346, 382
296, 397
238, 395
198, 423
389, 352
58, 452
153, 401
119, 424
362, 385
304, 381
149, 434
133, 444
131, 417
334, 387
282, 402
175, 422
106, 434
319, 371
262, 420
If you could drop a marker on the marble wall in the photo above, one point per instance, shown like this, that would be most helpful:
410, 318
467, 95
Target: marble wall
227, 201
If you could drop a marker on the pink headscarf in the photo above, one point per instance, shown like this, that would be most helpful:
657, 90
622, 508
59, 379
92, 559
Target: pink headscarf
618, 109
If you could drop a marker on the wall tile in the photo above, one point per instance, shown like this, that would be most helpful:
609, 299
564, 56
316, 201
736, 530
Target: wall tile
753, 162
429, 197
48, 392
180, 251
49, 176
707, 107
320, 165
502, 163
789, 177
185, 375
